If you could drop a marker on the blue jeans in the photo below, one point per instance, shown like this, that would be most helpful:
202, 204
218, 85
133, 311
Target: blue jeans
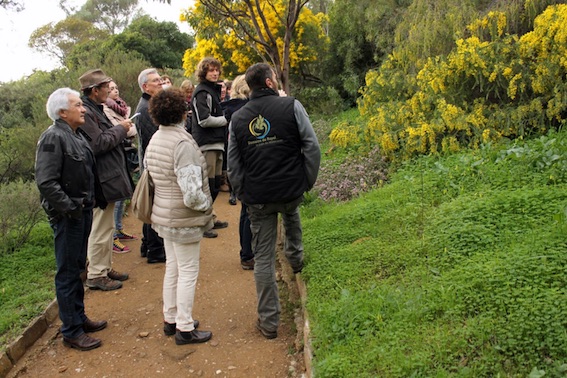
71, 237
118, 215
264, 227
246, 253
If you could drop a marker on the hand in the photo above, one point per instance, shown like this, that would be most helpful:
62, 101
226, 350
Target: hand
126, 124
76, 213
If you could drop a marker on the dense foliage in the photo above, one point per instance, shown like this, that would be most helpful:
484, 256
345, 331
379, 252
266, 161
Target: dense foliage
455, 268
491, 85
240, 33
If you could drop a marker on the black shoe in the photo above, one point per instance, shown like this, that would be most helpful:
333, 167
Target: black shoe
156, 260
192, 337
169, 328
143, 250
232, 199
92, 326
210, 234
267, 334
297, 269
219, 224
83, 342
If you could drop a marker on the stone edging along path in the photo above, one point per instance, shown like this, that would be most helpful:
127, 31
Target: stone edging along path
16, 349
296, 286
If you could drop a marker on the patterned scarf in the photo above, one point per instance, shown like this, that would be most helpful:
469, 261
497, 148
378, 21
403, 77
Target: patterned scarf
118, 105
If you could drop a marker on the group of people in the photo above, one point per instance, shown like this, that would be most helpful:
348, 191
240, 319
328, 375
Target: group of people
270, 152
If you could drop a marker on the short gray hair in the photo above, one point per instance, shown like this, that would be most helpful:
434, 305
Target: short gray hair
143, 77
59, 100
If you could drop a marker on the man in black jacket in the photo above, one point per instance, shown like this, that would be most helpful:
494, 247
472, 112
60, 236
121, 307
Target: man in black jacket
66, 178
209, 126
273, 158
105, 140
150, 83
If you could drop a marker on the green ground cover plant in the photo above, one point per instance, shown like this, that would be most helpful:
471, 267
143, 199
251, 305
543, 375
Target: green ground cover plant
456, 268
26, 282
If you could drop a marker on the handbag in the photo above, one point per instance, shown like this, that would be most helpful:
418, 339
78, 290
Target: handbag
143, 198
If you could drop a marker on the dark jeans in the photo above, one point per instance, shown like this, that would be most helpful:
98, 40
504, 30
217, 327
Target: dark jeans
152, 243
246, 253
264, 227
71, 237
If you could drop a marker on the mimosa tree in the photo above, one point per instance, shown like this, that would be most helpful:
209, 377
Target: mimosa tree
284, 33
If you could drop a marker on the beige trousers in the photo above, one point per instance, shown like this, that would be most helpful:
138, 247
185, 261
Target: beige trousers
99, 251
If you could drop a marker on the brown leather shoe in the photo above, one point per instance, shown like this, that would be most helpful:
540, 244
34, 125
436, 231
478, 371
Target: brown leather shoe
83, 342
192, 337
247, 265
92, 326
114, 275
103, 283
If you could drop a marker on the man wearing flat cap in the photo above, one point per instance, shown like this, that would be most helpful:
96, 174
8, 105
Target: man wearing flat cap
105, 140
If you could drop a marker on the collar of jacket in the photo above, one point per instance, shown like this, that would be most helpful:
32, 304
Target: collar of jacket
212, 84
59, 123
146, 96
263, 92
88, 101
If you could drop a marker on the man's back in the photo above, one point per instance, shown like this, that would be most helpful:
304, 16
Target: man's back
271, 149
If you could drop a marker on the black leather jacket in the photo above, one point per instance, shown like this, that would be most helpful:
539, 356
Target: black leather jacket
65, 172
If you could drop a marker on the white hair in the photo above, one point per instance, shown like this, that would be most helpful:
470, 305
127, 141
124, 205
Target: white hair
59, 100
143, 77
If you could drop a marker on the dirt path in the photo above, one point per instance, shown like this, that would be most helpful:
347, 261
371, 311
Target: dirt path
134, 344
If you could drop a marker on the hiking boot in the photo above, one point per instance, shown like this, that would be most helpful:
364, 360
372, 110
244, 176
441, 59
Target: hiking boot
267, 334
103, 283
117, 276
220, 224
247, 265
210, 234
118, 247
123, 235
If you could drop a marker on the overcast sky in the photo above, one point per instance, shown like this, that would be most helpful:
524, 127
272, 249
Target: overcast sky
16, 28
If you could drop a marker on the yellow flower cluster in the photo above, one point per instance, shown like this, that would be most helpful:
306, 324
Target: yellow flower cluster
344, 135
492, 85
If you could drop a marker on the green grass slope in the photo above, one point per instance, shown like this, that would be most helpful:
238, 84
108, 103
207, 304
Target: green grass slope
457, 268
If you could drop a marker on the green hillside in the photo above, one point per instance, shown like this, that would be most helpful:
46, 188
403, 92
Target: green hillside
457, 267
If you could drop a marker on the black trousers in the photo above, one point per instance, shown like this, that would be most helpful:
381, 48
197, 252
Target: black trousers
152, 243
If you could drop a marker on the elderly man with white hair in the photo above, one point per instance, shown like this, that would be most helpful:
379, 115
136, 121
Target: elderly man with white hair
65, 175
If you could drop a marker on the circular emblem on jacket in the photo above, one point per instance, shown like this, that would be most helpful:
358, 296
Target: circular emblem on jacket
259, 127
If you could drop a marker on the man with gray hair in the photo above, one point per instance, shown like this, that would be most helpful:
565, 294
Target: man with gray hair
150, 84
66, 177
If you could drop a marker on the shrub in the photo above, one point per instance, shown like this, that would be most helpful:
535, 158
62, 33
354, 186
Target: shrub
20, 212
491, 86
321, 100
